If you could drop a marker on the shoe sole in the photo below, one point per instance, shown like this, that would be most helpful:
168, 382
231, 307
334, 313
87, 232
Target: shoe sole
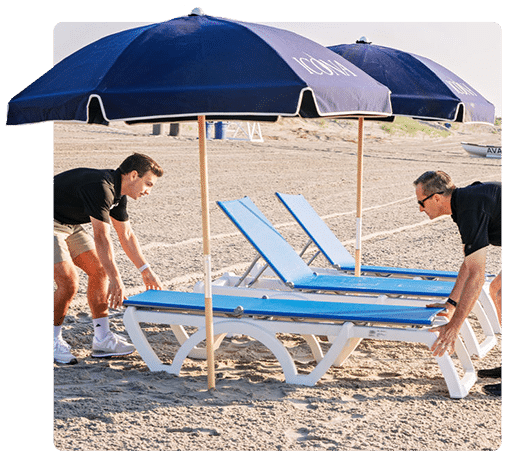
60, 361
100, 354
489, 374
493, 390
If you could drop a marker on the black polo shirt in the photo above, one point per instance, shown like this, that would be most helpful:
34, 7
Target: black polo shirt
477, 210
84, 192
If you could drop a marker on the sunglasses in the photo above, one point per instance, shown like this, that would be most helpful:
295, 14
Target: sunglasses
421, 202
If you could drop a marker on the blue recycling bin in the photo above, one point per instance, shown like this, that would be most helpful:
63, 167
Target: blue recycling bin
208, 129
220, 130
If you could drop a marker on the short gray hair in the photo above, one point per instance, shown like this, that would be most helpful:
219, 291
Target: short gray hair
435, 182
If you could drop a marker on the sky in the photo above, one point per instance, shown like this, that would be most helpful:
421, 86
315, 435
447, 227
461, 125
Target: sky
473, 51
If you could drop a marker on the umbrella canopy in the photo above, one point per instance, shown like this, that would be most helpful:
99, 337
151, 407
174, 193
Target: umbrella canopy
420, 87
199, 67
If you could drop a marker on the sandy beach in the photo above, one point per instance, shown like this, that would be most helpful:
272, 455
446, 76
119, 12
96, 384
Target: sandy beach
388, 396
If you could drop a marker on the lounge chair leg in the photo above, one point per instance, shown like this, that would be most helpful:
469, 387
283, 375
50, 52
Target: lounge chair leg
489, 308
132, 325
132, 319
473, 346
341, 346
197, 352
347, 350
458, 387
315, 347
266, 338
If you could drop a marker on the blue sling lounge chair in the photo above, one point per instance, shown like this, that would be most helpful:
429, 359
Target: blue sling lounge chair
294, 272
295, 275
337, 255
334, 251
263, 319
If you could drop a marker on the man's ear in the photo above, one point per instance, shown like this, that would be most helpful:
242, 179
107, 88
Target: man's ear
133, 175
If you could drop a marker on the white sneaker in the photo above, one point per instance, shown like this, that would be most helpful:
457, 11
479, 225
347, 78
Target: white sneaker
62, 352
111, 345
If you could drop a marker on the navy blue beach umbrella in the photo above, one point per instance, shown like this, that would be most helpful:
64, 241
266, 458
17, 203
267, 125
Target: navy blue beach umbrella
200, 67
420, 88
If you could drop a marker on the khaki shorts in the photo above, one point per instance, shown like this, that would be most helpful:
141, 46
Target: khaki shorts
70, 241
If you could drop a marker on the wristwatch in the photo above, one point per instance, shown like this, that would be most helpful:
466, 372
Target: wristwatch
452, 302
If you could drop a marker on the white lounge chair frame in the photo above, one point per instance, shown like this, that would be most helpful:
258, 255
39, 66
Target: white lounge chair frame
273, 288
346, 337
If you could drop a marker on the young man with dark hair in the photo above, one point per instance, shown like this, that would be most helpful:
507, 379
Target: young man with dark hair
98, 196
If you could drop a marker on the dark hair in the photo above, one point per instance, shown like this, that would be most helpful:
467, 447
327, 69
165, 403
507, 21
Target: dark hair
435, 182
141, 164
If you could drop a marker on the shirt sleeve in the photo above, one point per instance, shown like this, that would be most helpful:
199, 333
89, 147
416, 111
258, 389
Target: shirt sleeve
119, 210
97, 200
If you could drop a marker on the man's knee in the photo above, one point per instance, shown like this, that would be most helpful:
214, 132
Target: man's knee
97, 272
90, 264
496, 286
66, 279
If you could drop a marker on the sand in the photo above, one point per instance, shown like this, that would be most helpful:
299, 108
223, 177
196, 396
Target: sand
387, 396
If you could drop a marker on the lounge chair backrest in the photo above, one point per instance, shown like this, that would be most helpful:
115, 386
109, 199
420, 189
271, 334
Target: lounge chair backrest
269, 243
317, 230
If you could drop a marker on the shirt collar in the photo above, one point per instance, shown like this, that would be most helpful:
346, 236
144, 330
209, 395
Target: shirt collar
453, 204
117, 184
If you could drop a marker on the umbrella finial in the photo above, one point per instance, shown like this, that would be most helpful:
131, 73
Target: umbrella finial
363, 40
197, 12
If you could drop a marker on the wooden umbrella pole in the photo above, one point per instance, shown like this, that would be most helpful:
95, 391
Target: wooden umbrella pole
360, 152
209, 327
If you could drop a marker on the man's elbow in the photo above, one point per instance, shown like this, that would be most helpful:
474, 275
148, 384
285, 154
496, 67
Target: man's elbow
475, 266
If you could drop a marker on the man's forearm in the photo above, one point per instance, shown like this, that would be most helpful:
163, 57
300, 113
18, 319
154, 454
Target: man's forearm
459, 285
104, 247
468, 286
132, 249
470, 293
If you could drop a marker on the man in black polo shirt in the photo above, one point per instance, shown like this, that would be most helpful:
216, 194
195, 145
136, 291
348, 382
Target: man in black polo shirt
86, 195
477, 211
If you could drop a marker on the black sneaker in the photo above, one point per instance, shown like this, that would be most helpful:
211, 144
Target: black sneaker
494, 373
493, 390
